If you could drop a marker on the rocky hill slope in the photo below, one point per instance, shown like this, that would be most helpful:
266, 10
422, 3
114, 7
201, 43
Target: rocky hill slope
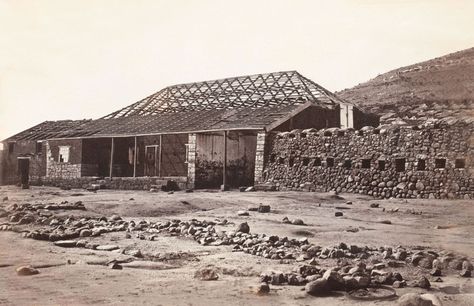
439, 88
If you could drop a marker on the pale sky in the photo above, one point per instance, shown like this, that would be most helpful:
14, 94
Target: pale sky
75, 59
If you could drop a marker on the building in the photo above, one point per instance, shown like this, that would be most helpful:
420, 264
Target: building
190, 133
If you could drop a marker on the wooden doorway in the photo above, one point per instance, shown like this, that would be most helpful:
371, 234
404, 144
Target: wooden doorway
24, 171
152, 160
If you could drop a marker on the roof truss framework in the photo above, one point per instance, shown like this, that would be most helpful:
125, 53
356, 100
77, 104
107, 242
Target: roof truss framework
254, 91
252, 102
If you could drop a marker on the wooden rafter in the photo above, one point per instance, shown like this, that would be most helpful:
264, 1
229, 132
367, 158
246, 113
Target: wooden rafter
254, 91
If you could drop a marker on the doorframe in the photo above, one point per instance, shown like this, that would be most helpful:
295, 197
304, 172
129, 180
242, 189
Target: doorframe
157, 148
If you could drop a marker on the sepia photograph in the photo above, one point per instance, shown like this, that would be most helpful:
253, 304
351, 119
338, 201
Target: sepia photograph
187, 152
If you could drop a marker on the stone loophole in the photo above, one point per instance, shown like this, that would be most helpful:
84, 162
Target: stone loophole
400, 164
440, 163
366, 163
421, 165
347, 164
460, 163
381, 164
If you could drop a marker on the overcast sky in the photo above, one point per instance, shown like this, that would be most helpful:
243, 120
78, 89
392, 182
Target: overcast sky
74, 59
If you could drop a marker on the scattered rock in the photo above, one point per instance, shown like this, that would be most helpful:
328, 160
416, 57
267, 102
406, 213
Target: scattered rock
466, 265
414, 299
286, 220
297, 222
422, 282
107, 247
433, 298
374, 205
317, 287
338, 214
263, 288
206, 274
115, 266
242, 213
65, 243
465, 273
435, 272
3, 213
85, 233
115, 218
264, 208
334, 280
133, 252
26, 271
399, 284
243, 227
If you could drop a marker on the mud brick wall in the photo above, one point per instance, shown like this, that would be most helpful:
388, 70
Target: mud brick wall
434, 160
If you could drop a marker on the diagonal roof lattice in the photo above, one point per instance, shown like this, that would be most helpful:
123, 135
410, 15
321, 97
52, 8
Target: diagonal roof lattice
286, 88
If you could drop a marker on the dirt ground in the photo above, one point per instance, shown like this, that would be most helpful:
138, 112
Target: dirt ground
78, 276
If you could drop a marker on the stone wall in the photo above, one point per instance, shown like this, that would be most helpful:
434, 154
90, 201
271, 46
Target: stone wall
24, 148
66, 170
124, 183
191, 160
433, 160
260, 157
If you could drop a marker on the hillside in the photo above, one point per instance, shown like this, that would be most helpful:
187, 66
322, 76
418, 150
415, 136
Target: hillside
439, 88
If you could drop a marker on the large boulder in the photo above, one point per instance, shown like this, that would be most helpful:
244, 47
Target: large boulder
317, 287
334, 280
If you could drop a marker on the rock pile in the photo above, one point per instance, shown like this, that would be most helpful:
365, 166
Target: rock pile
349, 273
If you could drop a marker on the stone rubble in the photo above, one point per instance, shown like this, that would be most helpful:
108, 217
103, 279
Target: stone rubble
357, 266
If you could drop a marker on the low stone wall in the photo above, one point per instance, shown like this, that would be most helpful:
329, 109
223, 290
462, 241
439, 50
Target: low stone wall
123, 183
434, 160
63, 170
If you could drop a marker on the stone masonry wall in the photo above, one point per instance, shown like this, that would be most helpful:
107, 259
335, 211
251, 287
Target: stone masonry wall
260, 157
433, 160
191, 159
123, 183
65, 170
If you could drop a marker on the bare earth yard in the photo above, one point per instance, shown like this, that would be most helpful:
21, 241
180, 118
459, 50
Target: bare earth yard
77, 276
